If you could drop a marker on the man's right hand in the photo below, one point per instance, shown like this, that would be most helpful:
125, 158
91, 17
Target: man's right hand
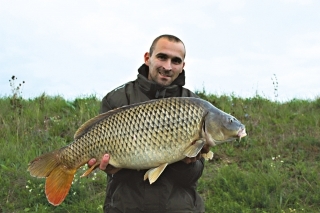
104, 164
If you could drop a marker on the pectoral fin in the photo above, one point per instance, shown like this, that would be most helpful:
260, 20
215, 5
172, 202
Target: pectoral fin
154, 173
194, 149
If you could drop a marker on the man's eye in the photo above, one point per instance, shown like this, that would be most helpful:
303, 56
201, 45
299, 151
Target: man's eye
176, 61
162, 57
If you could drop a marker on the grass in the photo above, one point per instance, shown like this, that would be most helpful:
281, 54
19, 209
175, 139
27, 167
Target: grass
42, 125
274, 169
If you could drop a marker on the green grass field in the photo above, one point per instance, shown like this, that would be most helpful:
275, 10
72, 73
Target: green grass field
274, 169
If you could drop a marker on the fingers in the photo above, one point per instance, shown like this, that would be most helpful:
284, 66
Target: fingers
91, 162
189, 160
104, 162
198, 157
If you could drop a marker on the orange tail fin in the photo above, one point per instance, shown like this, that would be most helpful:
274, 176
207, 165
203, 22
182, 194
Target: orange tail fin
59, 177
58, 184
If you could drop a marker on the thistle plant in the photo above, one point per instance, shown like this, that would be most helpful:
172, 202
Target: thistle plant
275, 86
16, 98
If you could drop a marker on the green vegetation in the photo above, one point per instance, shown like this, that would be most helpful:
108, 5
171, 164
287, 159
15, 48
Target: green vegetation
274, 169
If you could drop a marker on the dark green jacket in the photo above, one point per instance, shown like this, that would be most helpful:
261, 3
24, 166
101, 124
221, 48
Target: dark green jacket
175, 190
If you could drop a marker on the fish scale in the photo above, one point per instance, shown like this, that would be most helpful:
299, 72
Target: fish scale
148, 135
136, 136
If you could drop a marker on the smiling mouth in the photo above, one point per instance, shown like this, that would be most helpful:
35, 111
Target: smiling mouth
165, 73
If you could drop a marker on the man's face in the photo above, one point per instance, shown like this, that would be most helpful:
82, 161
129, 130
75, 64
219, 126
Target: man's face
166, 62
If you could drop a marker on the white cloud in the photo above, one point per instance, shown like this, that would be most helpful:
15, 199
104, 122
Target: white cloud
301, 2
237, 20
231, 5
305, 46
75, 48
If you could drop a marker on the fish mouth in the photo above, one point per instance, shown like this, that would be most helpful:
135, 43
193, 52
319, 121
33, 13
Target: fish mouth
241, 133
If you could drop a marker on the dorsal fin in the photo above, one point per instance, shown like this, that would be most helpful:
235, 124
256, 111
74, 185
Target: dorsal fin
90, 123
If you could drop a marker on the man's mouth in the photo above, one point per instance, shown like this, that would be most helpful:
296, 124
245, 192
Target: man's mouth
165, 73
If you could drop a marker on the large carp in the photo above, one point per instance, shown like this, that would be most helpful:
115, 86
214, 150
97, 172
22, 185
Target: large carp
148, 135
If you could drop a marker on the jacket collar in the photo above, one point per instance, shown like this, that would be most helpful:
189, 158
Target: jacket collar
154, 90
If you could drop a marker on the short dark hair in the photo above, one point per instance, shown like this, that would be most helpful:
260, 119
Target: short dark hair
170, 38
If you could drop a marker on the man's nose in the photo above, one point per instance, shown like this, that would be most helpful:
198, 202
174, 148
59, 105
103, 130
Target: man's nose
167, 65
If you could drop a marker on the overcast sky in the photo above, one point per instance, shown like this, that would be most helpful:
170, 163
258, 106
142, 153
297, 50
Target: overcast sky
241, 47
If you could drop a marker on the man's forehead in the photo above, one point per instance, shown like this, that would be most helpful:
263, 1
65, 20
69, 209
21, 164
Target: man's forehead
171, 48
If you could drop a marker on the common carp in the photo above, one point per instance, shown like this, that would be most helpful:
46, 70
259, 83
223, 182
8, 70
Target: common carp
148, 135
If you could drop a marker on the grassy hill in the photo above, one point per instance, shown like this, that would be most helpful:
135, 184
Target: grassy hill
274, 169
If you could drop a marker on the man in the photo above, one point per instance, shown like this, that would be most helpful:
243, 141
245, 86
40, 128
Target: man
160, 76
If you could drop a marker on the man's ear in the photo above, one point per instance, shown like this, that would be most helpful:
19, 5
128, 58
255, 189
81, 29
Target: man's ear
146, 58
183, 66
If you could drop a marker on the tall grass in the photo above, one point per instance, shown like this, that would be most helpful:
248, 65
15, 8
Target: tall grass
42, 125
274, 169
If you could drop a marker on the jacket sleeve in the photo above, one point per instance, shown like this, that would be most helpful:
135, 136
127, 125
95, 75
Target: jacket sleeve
186, 174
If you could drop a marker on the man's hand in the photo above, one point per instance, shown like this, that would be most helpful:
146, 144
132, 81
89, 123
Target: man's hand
104, 164
205, 149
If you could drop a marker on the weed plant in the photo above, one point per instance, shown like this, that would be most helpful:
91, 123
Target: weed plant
16, 98
274, 169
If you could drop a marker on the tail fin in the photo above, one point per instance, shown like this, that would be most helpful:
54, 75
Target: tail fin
58, 176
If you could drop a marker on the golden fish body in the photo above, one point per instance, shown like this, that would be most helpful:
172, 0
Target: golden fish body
148, 135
